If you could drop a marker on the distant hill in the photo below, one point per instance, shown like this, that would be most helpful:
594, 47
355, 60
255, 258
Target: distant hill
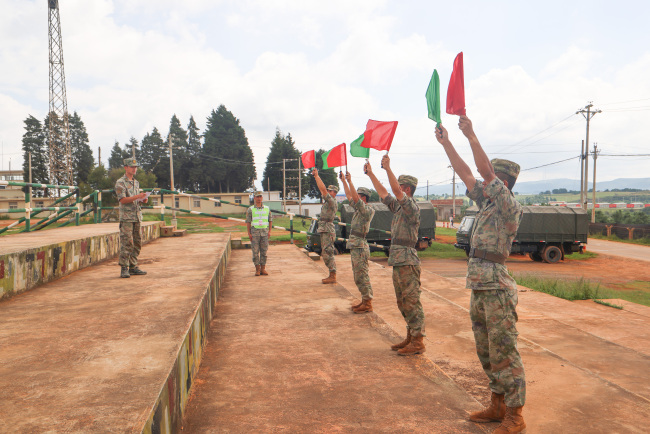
535, 187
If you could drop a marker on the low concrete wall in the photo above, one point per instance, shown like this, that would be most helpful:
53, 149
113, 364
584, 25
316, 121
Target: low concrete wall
167, 413
23, 270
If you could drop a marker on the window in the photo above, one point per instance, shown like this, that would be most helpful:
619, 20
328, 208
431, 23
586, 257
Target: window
238, 199
154, 202
177, 202
40, 204
197, 203
217, 203
13, 205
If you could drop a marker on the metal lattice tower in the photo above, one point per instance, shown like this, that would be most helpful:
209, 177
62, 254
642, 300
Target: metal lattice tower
58, 126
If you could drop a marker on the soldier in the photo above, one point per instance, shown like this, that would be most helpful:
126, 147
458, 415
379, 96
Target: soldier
258, 223
494, 292
127, 190
403, 256
359, 250
326, 226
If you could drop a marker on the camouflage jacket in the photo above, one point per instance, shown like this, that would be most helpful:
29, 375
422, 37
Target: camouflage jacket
249, 219
129, 212
494, 230
327, 214
360, 223
404, 230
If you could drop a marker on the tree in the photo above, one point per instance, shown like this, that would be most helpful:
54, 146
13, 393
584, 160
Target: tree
54, 139
228, 164
282, 147
179, 147
329, 177
116, 159
132, 148
34, 144
155, 157
192, 165
82, 156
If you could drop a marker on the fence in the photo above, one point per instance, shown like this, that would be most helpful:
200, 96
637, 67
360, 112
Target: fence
626, 232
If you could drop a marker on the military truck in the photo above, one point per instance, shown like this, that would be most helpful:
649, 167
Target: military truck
381, 220
546, 233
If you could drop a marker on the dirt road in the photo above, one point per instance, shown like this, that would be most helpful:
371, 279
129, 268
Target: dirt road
632, 251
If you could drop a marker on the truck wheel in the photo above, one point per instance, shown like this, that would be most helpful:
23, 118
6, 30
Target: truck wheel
535, 256
552, 254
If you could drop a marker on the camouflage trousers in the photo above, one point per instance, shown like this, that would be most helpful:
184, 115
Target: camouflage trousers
259, 246
494, 317
130, 244
360, 258
328, 250
406, 280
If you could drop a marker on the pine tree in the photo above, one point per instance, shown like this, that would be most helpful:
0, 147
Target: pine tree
329, 177
54, 138
228, 164
116, 159
132, 148
154, 157
282, 147
34, 143
179, 148
82, 156
193, 162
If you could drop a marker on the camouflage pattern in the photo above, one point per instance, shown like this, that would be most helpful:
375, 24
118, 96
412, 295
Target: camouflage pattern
328, 250
505, 166
129, 212
130, 244
405, 226
259, 238
408, 180
257, 193
405, 261
494, 298
494, 317
406, 280
333, 188
365, 191
131, 162
327, 212
359, 250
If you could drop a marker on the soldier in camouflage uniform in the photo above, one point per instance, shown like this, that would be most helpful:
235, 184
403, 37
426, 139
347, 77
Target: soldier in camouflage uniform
128, 194
494, 292
359, 250
258, 223
403, 257
326, 226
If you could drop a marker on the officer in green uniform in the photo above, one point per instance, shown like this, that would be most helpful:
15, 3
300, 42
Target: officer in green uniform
258, 223
493, 300
128, 194
326, 226
403, 257
359, 250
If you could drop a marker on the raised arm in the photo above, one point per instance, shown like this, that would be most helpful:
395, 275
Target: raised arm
353, 191
345, 186
392, 179
480, 157
319, 183
380, 189
460, 167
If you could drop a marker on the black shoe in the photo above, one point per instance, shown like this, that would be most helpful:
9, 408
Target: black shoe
136, 272
125, 272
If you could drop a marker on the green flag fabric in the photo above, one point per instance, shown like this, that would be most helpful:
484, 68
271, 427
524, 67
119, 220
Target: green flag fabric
335, 157
433, 98
356, 150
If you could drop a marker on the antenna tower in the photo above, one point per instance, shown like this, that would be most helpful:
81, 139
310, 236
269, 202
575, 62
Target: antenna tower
58, 125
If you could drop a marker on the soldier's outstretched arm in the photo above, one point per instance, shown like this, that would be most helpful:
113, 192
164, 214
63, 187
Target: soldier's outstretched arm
480, 157
380, 189
392, 179
346, 188
319, 183
353, 191
460, 167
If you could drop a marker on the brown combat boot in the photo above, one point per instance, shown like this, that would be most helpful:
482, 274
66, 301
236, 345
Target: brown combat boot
354, 306
513, 421
404, 343
257, 270
331, 278
495, 412
263, 270
366, 306
415, 347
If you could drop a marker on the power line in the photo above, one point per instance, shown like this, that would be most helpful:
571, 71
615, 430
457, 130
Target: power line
550, 164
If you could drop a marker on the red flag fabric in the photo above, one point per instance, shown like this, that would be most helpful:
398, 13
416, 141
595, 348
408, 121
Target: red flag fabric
456, 89
379, 135
336, 157
308, 159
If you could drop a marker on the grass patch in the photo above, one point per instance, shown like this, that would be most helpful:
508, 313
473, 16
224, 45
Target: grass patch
442, 251
606, 303
446, 231
641, 241
580, 256
580, 289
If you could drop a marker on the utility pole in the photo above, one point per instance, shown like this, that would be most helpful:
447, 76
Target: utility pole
30, 174
593, 200
284, 186
285, 179
427, 190
582, 173
133, 152
171, 174
99, 156
300, 186
453, 191
588, 114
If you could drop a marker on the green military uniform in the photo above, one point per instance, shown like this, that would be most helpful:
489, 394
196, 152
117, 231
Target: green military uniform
260, 220
326, 229
359, 250
404, 258
494, 292
130, 218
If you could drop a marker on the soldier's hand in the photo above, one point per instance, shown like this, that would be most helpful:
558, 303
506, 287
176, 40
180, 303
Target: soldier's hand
367, 169
442, 136
348, 176
385, 162
314, 172
341, 176
465, 125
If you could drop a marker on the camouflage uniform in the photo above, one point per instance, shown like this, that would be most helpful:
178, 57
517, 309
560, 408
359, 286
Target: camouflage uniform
494, 292
405, 262
359, 250
130, 218
327, 232
259, 238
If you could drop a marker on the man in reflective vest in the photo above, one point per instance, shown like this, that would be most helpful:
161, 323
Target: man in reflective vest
258, 223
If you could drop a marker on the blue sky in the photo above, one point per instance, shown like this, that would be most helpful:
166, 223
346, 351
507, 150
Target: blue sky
319, 70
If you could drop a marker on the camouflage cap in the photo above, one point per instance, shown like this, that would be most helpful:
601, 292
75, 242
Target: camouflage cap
365, 191
257, 193
408, 180
333, 188
505, 166
131, 162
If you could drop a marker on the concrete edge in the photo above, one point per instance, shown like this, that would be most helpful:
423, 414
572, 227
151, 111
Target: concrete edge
166, 413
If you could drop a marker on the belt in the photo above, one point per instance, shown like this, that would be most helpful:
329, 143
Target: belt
359, 234
326, 221
492, 257
402, 242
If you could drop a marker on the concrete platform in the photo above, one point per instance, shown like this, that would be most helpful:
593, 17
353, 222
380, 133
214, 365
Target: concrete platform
33, 258
92, 352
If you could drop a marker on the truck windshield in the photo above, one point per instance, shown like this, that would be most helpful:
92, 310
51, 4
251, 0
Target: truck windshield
466, 224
